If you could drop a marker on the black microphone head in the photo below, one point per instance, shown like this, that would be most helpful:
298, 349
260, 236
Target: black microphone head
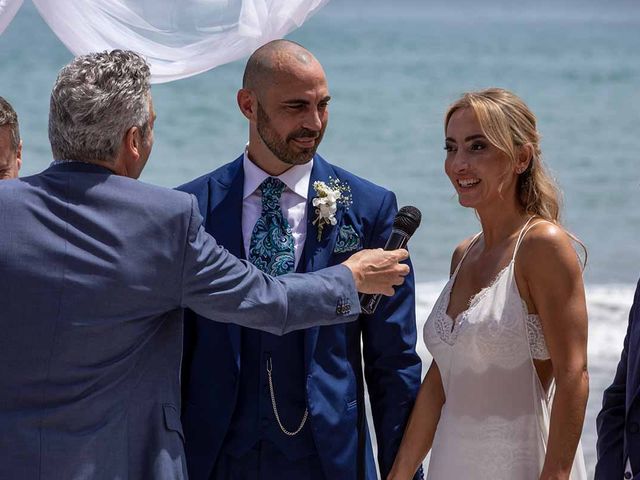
407, 220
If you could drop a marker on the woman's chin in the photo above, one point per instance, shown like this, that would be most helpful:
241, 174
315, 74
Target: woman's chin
467, 202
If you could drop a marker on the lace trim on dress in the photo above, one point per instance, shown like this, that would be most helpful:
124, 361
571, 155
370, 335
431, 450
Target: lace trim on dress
537, 343
448, 328
445, 327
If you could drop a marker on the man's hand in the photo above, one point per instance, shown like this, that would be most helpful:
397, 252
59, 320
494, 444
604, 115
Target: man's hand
377, 271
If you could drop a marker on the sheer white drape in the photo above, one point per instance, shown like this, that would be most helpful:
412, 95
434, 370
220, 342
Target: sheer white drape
179, 38
8, 9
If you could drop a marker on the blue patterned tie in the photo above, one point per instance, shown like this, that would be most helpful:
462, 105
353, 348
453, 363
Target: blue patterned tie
271, 246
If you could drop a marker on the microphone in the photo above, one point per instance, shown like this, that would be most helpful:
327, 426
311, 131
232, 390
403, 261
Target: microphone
405, 224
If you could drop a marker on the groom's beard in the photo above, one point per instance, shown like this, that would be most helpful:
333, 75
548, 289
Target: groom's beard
280, 147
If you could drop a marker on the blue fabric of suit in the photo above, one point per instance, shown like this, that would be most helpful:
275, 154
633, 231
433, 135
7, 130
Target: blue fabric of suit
95, 271
332, 356
619, 420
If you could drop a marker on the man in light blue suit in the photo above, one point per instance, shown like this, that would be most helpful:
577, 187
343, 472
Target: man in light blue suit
619, 420
261, 407
95, 269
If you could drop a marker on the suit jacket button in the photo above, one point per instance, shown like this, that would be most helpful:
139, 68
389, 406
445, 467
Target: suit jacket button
627, 475
634, 427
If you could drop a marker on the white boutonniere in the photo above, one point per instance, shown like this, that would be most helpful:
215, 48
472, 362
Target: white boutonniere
329, 196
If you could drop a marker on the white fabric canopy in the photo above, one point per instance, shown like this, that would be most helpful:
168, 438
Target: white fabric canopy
179, 38
8, 10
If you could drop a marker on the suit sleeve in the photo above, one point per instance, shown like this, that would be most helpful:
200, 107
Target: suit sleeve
611, 419
219, 286
392, 366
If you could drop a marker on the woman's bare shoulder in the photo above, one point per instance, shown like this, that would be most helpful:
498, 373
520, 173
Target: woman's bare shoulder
458, 253
547, 247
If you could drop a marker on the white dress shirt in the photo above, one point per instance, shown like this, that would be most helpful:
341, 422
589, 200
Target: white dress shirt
293, 201
627, 471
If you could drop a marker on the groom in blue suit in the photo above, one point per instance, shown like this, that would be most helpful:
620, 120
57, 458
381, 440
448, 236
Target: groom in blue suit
257, 406
619, 419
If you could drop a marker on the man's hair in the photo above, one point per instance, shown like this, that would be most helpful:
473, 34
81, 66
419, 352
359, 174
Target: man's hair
95, 100
9, 118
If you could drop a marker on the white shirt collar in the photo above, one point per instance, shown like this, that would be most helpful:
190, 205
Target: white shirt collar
296, 179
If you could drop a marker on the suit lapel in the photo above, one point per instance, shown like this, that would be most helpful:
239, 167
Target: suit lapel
317, 253
224, 221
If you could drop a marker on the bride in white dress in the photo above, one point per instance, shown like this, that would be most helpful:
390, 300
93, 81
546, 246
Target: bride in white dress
506, 393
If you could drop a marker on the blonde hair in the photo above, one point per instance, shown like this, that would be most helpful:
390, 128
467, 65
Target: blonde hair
510, 125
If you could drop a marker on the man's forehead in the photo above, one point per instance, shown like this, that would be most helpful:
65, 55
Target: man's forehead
289, 57
295, 89
297, 73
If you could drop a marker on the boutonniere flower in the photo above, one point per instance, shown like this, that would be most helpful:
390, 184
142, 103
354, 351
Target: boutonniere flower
329, 195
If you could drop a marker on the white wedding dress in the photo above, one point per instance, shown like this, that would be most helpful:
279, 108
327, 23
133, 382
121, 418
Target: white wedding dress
495, 421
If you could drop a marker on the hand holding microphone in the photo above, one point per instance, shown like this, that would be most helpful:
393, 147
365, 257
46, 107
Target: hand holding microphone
405, 224
377, 271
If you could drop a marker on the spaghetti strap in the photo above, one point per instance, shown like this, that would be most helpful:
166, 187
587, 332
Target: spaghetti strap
525, 229
466, 250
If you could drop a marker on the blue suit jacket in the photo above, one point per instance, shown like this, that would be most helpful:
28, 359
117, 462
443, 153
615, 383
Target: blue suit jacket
619, 420
335, 387
95, 270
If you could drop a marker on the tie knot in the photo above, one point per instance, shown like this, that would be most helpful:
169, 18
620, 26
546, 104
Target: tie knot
271, 189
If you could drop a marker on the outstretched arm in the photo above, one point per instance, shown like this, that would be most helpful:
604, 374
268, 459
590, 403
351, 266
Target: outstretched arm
217, 285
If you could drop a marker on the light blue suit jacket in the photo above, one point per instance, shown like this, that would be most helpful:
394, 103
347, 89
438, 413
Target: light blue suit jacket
95, 269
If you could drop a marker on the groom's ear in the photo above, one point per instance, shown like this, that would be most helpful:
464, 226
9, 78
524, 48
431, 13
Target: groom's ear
247, 102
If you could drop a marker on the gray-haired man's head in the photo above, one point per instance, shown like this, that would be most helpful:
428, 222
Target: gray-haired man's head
10, 145
95, 101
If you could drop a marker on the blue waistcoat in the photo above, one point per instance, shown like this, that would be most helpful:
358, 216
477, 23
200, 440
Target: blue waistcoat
253, 419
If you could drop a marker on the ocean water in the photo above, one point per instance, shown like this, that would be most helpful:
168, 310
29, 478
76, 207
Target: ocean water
393, 67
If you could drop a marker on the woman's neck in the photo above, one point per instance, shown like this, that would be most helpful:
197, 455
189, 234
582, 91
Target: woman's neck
501, 222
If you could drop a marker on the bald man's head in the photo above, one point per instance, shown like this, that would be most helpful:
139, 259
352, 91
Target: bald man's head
273, 58
285, 97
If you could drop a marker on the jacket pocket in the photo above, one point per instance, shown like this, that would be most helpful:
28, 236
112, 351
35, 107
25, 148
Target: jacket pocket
172, 419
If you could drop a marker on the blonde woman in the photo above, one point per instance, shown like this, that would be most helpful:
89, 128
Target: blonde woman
506, 393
